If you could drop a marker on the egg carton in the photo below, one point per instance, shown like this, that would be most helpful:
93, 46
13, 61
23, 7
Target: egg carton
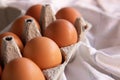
56, 72
82, 27
31, 31
67, 52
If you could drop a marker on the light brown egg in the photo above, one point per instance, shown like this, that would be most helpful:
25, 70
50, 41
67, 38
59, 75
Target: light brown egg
62, 32
44, 52
17, 39
68, 13
22, 69
18, 25
35, 11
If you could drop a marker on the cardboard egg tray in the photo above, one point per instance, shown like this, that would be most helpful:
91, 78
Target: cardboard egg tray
56, 72
68, 52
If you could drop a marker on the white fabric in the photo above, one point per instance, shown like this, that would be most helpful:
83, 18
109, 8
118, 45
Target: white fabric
98, 60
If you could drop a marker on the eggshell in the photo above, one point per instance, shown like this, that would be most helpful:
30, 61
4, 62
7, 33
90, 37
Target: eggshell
62, 32
35, 11
68, 13
22, 69
44, 52
18, 25
17, 39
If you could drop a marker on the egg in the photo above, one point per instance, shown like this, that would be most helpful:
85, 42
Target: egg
44, 52
68, 13
18, 25
35, 11
22, 69
62, 32
17, 39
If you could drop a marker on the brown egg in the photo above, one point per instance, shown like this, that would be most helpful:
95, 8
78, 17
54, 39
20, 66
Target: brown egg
62, 32
68, 13
17, 39
35, 11
18, 26
44, 52
22, 69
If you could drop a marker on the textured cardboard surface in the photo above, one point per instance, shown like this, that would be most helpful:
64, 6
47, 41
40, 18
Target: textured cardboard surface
7, 15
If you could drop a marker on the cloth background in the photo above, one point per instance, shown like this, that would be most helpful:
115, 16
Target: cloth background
98, 60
